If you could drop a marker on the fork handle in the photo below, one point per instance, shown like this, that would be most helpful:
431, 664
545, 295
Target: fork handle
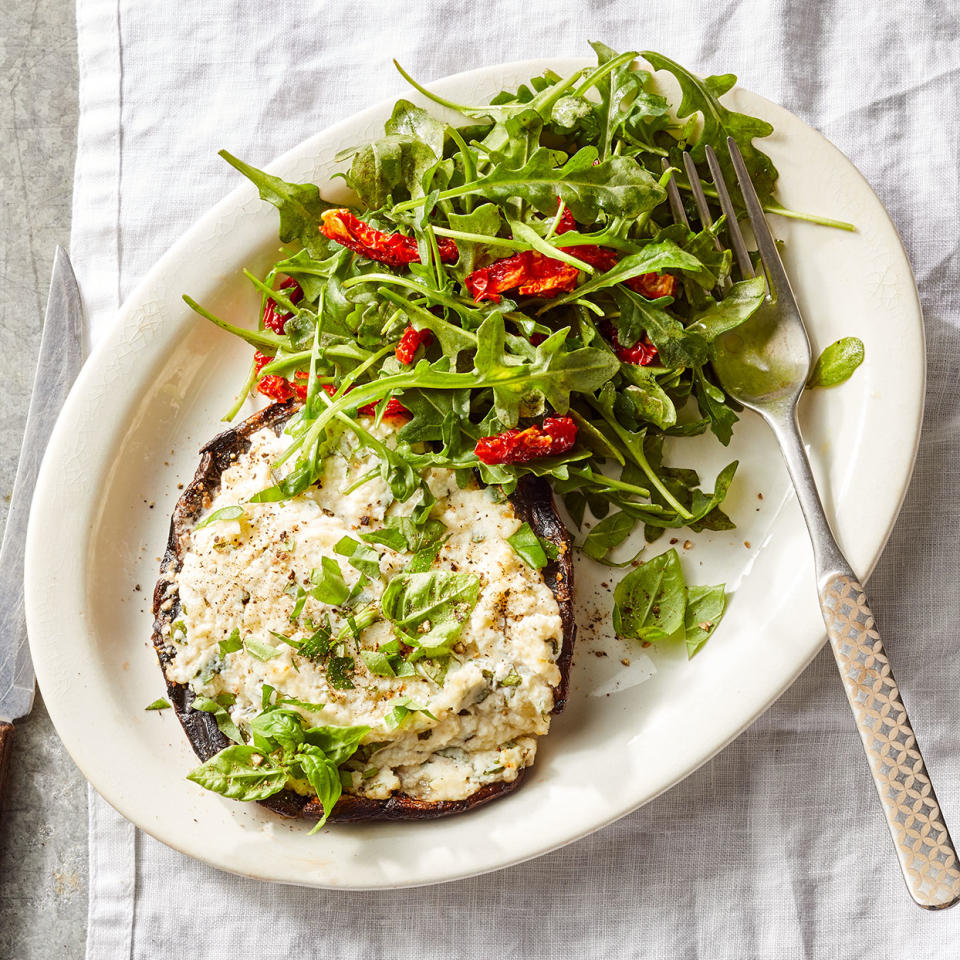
924, 848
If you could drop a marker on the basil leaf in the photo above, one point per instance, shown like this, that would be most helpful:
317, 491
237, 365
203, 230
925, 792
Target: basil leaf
224, 722
339, 744
837, 362
275, 729
328, 584
224, 513
705, 609
649, 602
232, 644
266, 695
160, 704
241, 773
608, 533
428, 610
324, 777
527, 546
363, 558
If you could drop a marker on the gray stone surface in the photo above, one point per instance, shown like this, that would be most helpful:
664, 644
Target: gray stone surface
43, 819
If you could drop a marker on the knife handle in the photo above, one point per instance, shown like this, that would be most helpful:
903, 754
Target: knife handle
6, 748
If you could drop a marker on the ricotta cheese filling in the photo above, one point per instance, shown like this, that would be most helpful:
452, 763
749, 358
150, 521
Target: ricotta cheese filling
473, 718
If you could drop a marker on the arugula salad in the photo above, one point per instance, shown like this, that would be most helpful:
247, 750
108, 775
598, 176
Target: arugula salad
509, 292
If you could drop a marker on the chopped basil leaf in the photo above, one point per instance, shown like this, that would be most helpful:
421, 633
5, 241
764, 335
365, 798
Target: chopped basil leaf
339, 671
527, 546
266, 695
260, 650
232, 643
328, 584
224, 513
317, 645
160, 704
303, 704
378, 663
401, 710
220, 714
359, 555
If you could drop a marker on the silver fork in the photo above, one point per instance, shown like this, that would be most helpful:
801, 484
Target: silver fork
764, 365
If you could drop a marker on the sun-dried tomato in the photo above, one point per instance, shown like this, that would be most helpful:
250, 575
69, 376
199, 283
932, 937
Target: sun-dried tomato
395, 410
393, 249
642, 353
653, 285
410, 343
556, 436
566, 223
273, 319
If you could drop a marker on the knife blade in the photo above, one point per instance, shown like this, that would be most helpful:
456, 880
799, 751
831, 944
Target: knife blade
61, 355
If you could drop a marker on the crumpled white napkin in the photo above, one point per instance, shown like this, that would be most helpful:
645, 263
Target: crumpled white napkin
775, 849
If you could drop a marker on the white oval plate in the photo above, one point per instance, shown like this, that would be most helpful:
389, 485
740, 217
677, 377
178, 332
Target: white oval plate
154, 391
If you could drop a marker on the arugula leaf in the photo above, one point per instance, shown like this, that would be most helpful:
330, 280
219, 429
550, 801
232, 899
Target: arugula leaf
740, 302
409, 120
650, 601
519, 389
328, 583
300, 205
713, 404
701, 96
224, 513
837, 362
617, 91
617, 186
363, 558
705, 608
241, 773
482, 221
392, 167
428, 610
527, 546
160, 704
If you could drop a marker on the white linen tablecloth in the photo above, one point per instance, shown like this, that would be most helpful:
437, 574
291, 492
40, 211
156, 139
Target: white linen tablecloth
775, 849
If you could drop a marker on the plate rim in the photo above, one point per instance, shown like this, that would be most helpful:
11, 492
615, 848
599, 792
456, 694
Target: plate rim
237, 198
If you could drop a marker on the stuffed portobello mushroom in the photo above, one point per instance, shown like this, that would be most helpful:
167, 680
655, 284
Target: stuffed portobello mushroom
340, 654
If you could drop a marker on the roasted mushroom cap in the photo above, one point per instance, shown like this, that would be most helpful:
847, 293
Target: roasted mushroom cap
533, 503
